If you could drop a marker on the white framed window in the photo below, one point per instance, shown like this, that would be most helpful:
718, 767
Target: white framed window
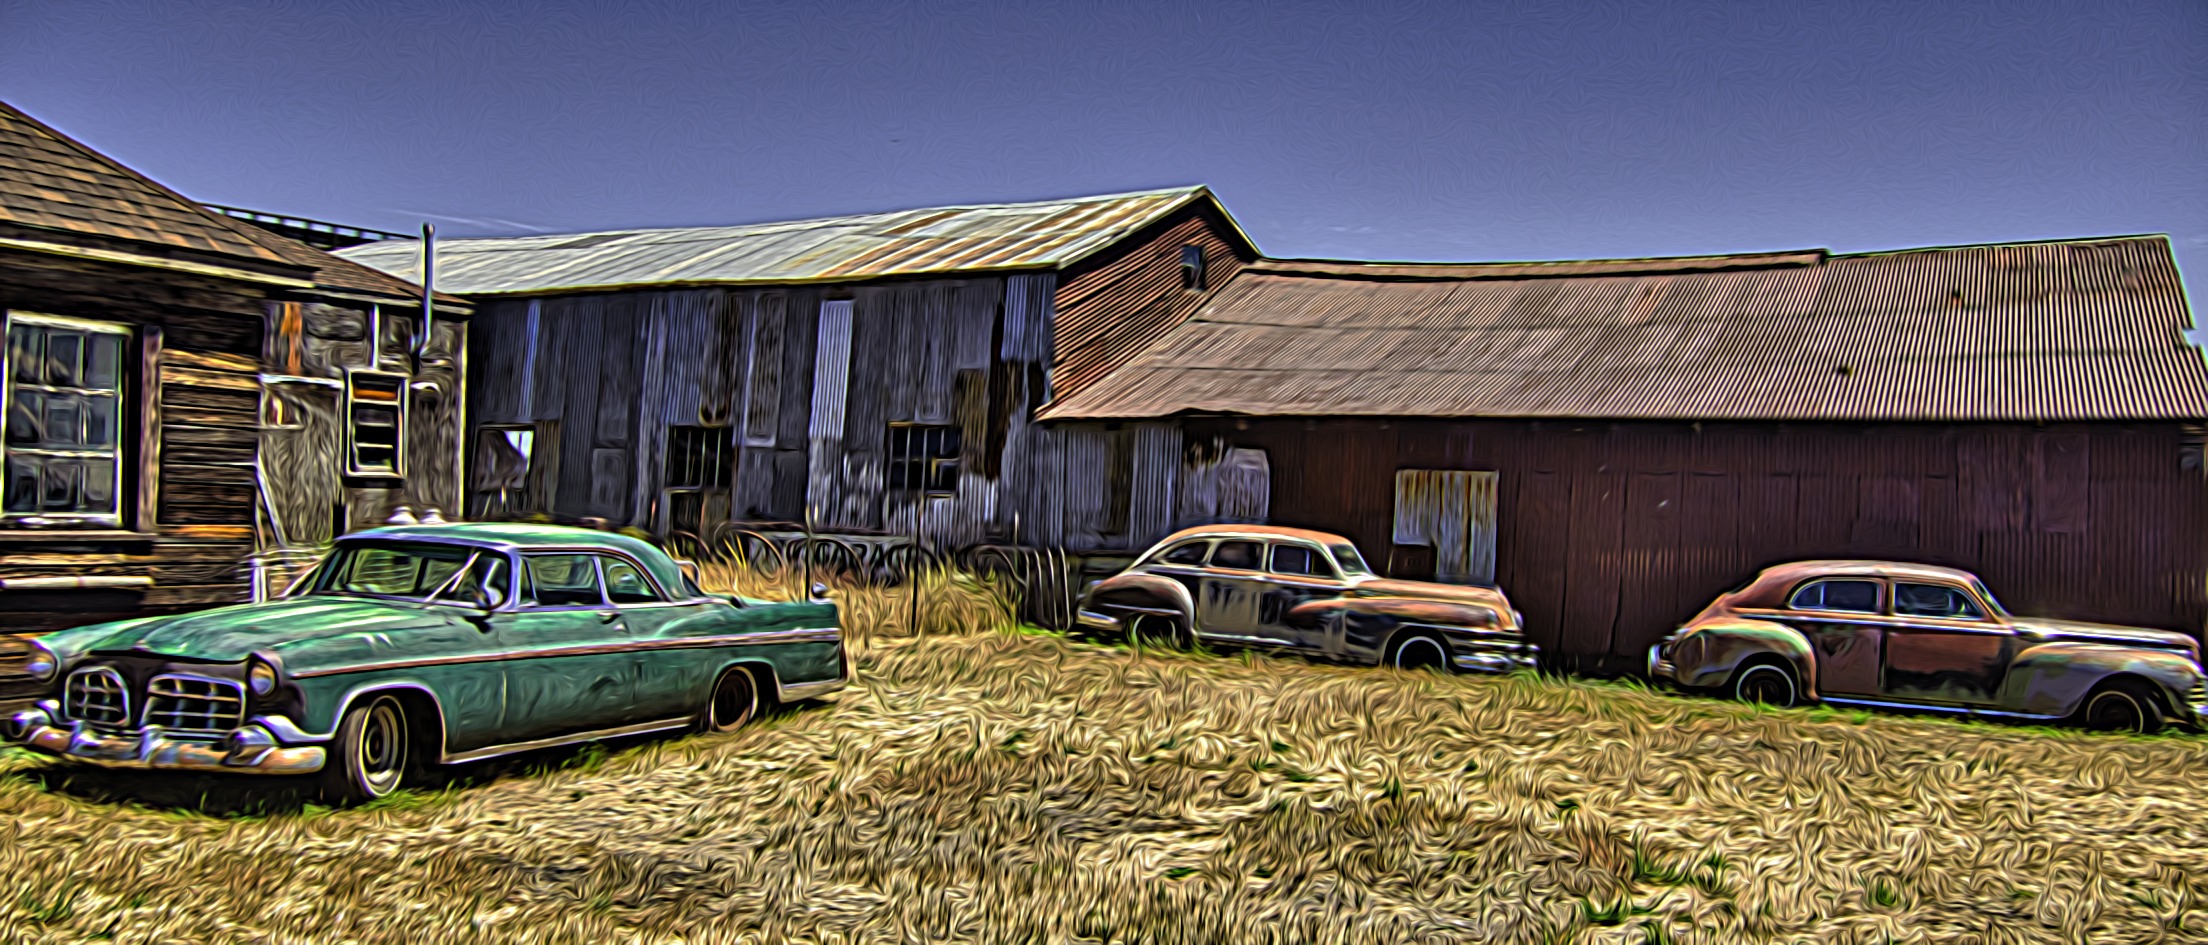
375, 424
61, 461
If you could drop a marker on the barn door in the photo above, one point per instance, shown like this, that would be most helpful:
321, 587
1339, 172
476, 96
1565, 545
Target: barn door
1453, 512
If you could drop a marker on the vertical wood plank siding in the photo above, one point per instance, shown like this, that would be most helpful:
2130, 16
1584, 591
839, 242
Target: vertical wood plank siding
1610, 535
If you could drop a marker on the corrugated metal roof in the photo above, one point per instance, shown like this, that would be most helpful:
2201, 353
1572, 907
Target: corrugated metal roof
907, 242
2080, 329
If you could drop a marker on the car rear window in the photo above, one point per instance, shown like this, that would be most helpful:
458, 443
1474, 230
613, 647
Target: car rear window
1299, 559
1934, 600
1239, 555
1191, 552
1850, 596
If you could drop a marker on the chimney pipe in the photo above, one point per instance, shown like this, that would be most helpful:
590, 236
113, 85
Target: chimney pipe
429, 289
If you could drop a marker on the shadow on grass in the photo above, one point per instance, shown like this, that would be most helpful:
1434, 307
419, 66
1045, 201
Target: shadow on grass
255, 797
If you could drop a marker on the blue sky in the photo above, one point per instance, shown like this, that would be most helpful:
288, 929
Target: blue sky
1462, 130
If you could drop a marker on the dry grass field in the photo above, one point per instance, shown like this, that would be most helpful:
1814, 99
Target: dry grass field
984, 784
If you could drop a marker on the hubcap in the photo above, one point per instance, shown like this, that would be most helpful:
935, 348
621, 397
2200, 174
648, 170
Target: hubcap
382, 747
1420, 653
2114, 711
1766, 685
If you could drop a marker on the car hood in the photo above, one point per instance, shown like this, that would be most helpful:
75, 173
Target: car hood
1428, 590
2073, 630
228, 634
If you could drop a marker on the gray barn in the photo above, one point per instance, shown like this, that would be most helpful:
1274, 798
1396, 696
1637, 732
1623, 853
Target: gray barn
874, 374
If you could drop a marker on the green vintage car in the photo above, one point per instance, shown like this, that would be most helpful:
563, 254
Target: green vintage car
429, 644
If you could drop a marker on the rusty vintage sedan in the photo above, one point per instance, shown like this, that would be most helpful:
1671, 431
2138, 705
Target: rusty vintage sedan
1293, 589
1887, 634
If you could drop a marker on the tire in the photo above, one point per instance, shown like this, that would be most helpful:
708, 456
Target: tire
1767, 683
1155, 630
735, 700
373, 753
2121, 706
1419, 651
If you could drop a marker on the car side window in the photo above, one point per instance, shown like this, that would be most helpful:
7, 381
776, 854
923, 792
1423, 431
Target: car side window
1300, 560
487, 570
626, 585
560, 581
1237, 555
1859, 597
1186, 553
1934, 600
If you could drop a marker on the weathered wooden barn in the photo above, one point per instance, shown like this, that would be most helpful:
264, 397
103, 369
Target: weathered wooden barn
1615, 443
872, 374
188, 396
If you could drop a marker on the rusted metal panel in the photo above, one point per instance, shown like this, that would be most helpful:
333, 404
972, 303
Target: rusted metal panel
1110, 308
2075, 330
1043, 235
1452, 512
831, 380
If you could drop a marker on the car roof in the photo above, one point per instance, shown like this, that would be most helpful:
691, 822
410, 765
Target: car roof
1797, 570
522, 536
1255, 531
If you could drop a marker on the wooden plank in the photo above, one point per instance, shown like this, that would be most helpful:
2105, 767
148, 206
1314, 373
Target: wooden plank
150, 429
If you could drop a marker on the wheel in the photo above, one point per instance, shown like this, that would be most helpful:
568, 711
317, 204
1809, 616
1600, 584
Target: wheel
735, 700
372, 753
1767, 683
1160, 631
2121, 706
1420, 652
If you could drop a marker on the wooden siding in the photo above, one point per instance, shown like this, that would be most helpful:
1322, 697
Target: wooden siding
188, 527
1610, 535
1110, 307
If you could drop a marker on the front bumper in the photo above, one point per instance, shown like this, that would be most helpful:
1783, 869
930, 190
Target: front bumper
1096, 623
1523, 656
252, 749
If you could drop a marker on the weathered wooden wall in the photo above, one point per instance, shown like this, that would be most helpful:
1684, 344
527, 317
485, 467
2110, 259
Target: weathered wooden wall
1609, 535
190, 526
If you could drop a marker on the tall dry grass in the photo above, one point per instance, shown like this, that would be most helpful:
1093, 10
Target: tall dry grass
1015, 787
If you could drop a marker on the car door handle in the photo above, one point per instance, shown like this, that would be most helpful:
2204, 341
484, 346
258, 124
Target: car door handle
609, 616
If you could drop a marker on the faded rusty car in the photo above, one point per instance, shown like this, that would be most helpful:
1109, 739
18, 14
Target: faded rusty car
1294, 589
1895, 635
428, 644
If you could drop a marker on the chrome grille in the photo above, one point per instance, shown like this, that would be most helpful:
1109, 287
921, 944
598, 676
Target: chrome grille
194, 703
97, 696
2199, 696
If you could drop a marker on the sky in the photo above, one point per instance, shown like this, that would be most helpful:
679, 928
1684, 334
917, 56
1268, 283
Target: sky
1445, 131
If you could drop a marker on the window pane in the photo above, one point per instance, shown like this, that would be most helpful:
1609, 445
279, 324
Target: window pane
1296, 559
99, 422
22, 486
63, 350
1930, 600
1190, 553
64, 420
26, 418
26, 353
102, 361
99, 486
564, 581
1851, 596
1239, 555
58, 485
626, 585
1349, 559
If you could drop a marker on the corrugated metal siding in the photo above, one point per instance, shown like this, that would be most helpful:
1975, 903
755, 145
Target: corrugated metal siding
1610, 534
2039, 332
839, 249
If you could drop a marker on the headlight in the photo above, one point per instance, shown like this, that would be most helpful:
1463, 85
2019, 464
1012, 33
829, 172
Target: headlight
260, 677
43, 664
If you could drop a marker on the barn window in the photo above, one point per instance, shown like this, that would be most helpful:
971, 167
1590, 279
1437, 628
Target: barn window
923, 458
375, 413
1452, 512
699, 457
1192, 268
503, 455
64, 409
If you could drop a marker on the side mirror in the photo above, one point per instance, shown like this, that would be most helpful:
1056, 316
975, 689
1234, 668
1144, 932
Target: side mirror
488, 597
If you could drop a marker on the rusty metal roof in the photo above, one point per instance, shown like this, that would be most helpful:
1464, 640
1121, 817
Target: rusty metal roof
907, 242
2060, 330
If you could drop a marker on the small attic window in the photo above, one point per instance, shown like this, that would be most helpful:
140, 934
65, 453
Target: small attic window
1192, 268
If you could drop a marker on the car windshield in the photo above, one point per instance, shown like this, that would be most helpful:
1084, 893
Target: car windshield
1346, 555
1987, 596
408, 571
